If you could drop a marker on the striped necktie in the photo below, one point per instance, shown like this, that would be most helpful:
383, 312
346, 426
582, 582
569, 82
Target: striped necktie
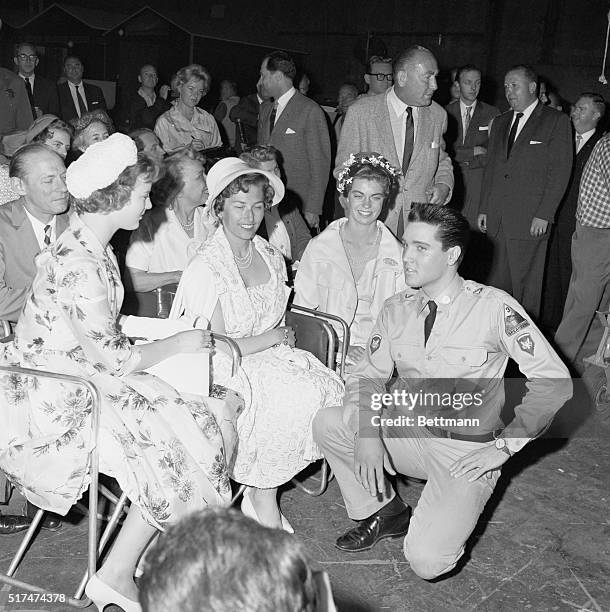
47, 235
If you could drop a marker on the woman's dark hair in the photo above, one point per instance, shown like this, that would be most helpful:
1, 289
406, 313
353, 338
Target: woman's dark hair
243, 183
171, 182
117, 194
452, 229
221, 560
375, 173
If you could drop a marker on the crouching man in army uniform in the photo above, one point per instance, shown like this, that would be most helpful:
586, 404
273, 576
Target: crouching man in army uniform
449, 328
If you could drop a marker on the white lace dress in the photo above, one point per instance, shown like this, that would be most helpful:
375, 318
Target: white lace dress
283, 387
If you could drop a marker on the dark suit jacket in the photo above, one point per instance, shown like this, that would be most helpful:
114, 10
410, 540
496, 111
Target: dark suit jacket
301, 136
94, 95
559, 258
468, 167
138, 115
246, 110
531, 182
45, 96
18, 249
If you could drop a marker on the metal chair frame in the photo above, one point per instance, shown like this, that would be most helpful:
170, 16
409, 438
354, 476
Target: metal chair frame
324, 318
77, 601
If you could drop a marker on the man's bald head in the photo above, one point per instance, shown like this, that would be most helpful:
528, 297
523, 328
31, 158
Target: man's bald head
415, 71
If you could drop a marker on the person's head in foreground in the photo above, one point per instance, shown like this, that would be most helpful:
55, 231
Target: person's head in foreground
239, 195
90, 128
435, 241
366, 185
110, 183
222, 561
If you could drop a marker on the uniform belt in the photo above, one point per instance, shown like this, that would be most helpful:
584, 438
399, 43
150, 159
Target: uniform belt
443, 433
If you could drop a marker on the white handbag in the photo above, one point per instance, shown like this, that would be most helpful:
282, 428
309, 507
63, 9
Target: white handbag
185, 372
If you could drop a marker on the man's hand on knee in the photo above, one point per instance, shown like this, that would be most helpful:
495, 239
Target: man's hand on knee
478, 462
370, 457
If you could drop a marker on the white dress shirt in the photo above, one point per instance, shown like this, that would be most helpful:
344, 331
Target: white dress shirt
398, 109
81, 91
527, 113
38, 227
282, 101
463, 108
583, 138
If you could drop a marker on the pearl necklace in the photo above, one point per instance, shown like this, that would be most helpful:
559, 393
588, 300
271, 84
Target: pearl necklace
245, 261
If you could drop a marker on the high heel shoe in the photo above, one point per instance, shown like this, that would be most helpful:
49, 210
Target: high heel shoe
248, 510
103, 595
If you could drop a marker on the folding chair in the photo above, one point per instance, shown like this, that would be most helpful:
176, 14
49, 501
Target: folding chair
92, 551
314, 333
156, 303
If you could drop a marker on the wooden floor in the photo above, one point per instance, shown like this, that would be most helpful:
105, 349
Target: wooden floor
542, 543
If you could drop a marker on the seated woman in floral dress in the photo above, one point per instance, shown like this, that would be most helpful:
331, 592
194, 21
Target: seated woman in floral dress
355, 264
237, 282
168, 451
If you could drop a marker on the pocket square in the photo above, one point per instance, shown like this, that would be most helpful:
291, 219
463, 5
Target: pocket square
435, 145
483, 128
535, 142
290, 131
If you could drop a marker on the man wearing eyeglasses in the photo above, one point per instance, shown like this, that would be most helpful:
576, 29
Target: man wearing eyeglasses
378, 76
405, 126
42, 93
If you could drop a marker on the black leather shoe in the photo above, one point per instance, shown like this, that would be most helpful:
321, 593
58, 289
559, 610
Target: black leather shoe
373, 529
13, 523
50, 521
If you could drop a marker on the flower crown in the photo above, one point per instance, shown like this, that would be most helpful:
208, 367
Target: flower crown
355, 162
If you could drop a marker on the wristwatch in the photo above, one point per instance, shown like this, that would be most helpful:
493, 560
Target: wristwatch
500, 444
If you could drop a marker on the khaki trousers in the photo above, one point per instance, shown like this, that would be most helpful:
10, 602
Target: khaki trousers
448, 508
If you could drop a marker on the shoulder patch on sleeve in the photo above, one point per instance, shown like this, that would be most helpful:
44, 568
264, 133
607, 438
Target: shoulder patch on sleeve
526, 343
513, 321
374, 344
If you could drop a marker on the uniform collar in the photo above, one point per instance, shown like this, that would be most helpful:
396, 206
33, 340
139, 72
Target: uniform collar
443, 299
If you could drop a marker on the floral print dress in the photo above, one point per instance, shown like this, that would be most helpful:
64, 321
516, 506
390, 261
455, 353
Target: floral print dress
169, 452
283, 387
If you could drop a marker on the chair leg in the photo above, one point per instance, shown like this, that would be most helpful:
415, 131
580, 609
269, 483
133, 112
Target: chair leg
114, 519
27, 540
239, 493
325, 478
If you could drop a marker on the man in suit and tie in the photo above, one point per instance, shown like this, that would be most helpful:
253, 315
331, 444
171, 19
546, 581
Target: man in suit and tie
407, 128
467, 136
27, 226
296, 126
42, 93
586, 115
75, 96
31, 223
528, 168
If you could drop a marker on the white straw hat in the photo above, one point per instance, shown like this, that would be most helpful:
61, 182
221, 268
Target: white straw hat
225, 171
